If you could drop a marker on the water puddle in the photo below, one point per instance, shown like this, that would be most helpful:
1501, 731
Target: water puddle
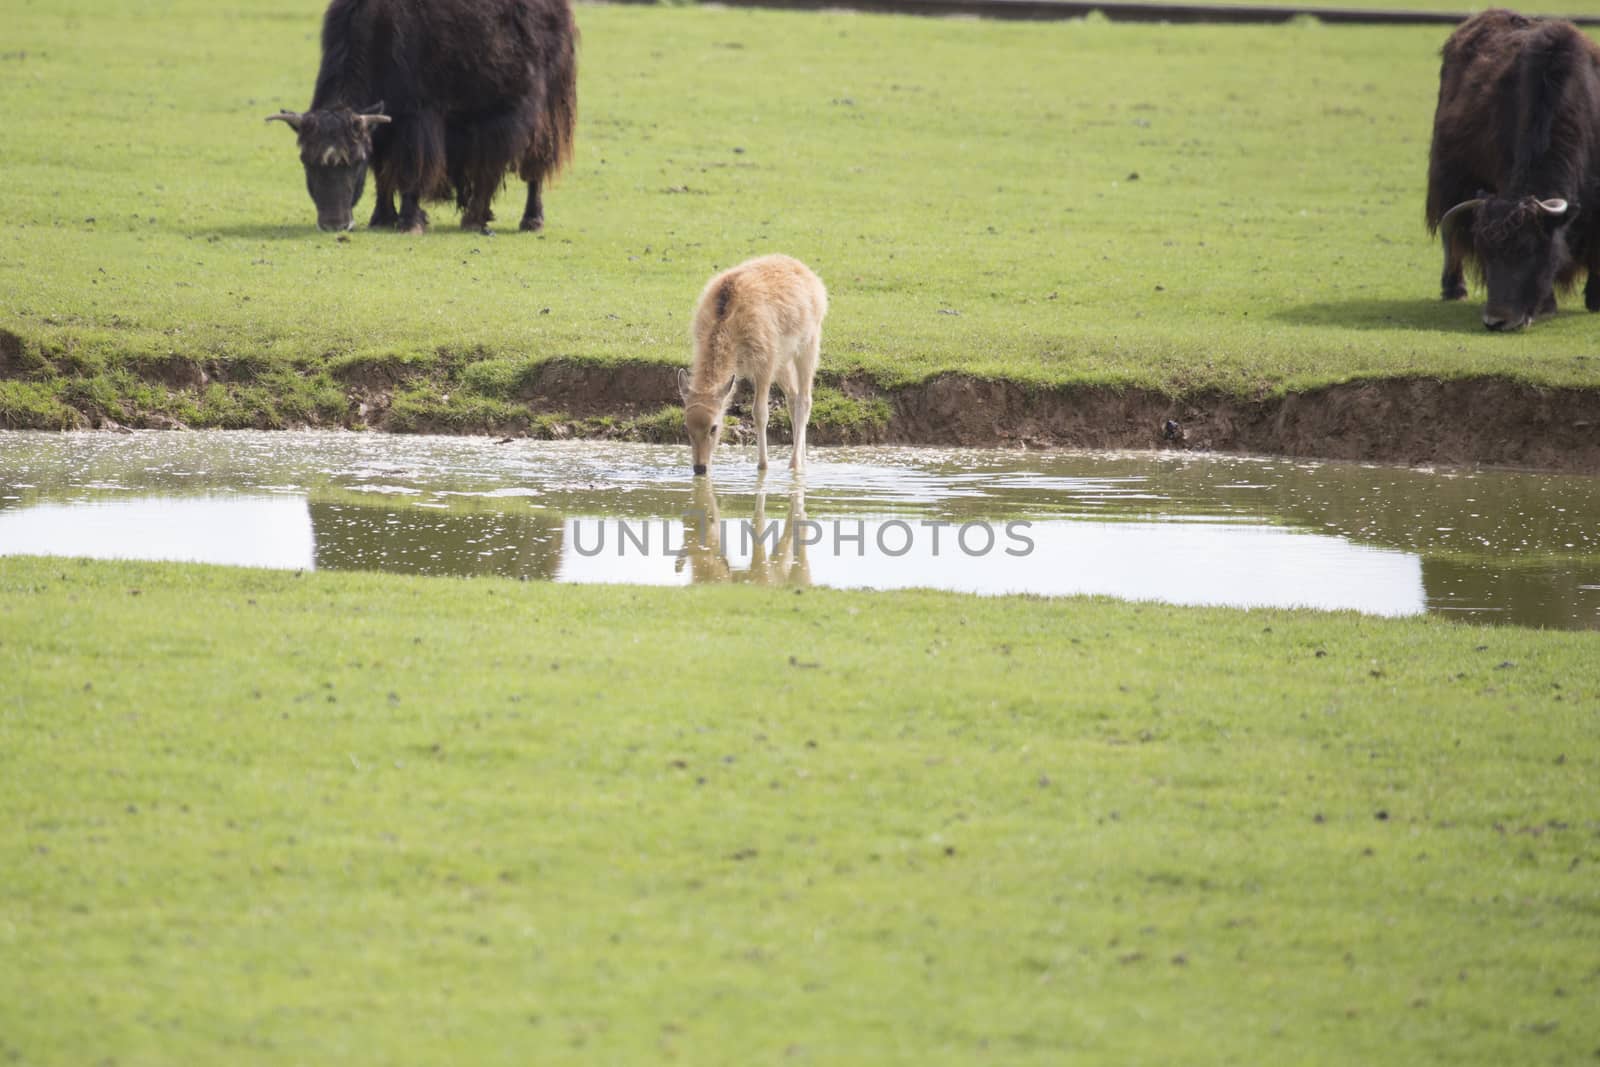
1515, 548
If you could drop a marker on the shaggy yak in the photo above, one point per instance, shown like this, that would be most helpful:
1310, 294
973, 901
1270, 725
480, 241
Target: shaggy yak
441, 99
1514, 171
761, 320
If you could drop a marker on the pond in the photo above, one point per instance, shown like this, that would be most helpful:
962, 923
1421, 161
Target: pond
1184, 529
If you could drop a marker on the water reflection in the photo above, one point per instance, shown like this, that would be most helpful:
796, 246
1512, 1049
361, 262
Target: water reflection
1496, 546
1211, 563
702, 545
1554, 596
246, 531
415, 540
785, 562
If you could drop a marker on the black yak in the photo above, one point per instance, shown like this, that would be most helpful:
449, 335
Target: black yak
442, 99
1514, 171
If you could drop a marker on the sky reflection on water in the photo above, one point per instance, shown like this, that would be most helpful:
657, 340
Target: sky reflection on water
1185, 529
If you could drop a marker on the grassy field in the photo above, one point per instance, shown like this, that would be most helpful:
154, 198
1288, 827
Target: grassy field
266, 817
1176, 207
1559, 8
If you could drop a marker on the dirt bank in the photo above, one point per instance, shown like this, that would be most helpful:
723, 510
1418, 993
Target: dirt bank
1414, 421
1484, 421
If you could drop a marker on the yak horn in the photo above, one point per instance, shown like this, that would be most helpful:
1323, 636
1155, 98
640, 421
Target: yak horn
374, 120
1463, 208
291, 118
1553, 206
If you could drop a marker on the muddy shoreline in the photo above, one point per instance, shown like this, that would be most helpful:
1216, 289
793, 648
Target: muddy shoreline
1415, 421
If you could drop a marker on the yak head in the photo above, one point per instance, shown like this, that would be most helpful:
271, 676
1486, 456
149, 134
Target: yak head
336, 147
1520, 244
702, 416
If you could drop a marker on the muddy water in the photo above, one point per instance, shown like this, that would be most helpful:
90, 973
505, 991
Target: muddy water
1503, 547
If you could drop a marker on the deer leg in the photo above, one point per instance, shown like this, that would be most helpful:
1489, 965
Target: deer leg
763, 393
805, 372
800, 415
799, 402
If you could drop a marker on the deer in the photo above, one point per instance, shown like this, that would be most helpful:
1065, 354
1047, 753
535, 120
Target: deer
761, 321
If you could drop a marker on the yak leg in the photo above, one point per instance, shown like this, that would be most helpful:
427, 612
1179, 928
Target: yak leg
1450, 182
1451, 287
383, 213
475, 197
1591, 288
476, 214
412, 218
533, 214
535, 165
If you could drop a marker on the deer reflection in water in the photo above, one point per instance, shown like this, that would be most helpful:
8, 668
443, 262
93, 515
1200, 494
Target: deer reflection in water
777, 553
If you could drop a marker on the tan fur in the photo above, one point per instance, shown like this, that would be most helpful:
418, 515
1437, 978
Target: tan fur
706, 557
760, 321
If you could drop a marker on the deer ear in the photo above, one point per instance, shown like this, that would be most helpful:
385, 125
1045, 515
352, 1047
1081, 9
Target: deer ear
683, 383
727, 394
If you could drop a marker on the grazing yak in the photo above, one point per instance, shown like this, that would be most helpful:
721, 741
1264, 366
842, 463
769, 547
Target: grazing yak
1514, 170
440, 99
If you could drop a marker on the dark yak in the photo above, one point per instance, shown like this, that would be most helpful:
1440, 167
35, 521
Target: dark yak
1514, 171
441, 99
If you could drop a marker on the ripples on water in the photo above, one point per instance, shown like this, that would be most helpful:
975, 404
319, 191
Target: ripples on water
1181, 528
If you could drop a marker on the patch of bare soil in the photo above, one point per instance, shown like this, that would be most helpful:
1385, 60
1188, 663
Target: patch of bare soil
10, 353
580, 391
1408, 421
1491, 421
174, 372
1415, 421
1418, 421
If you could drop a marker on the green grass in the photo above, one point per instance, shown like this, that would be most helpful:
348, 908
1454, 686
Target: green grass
965, 188
1555, 8
254, 817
